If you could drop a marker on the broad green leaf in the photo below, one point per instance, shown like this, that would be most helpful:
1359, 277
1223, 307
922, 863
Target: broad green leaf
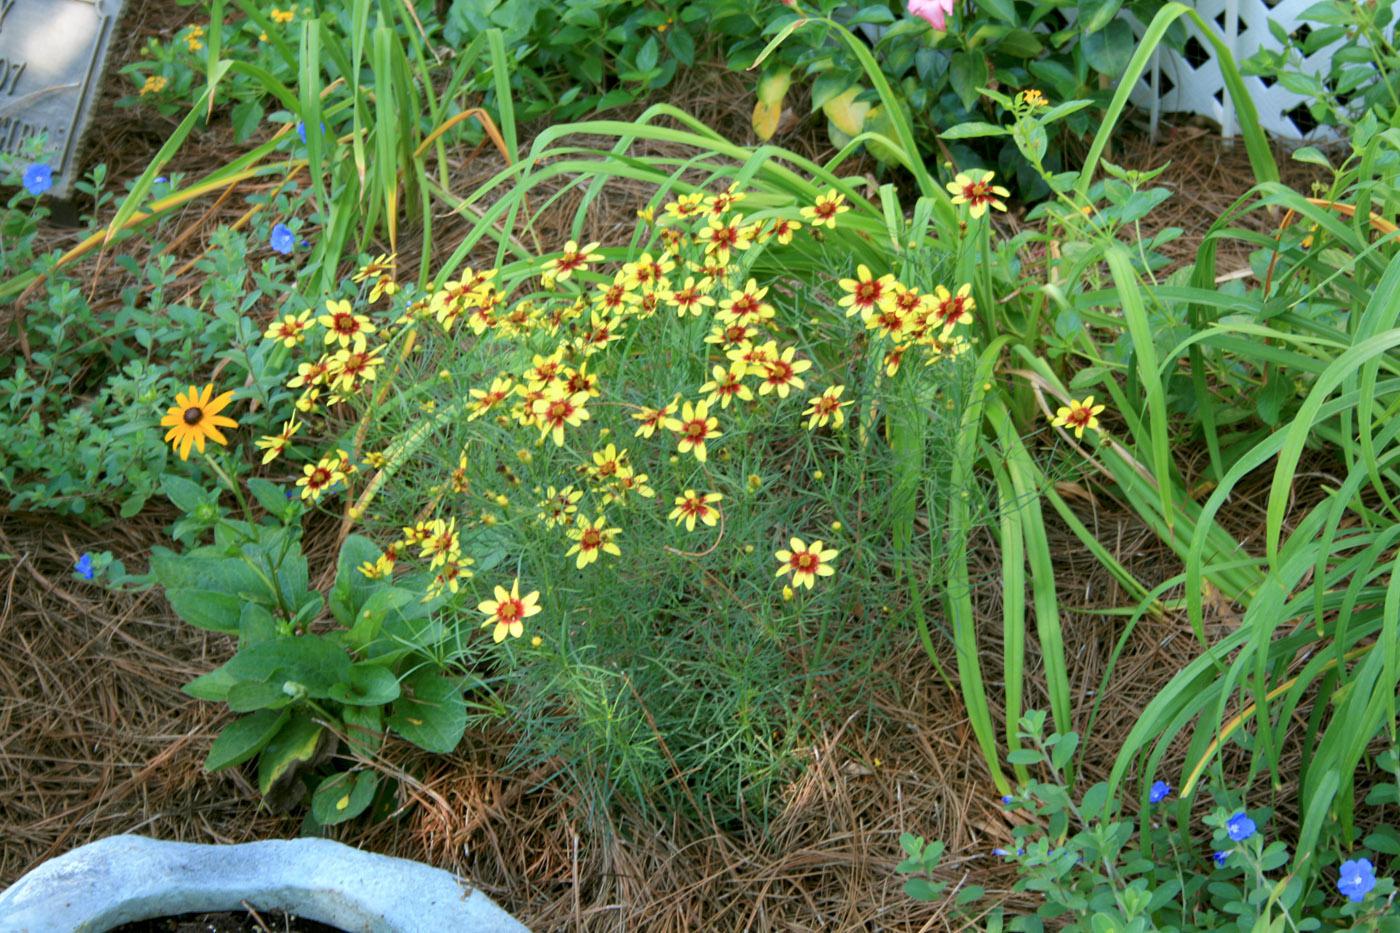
431, 713
244, 737
369, 685
295, 743
343, 796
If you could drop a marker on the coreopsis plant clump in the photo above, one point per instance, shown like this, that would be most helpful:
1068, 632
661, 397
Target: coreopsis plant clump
591, 459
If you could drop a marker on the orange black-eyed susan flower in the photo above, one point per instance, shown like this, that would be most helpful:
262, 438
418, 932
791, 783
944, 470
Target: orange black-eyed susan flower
1078, 415
195, 419
975, 189
806, 563
693, 506
506, 614
592, 539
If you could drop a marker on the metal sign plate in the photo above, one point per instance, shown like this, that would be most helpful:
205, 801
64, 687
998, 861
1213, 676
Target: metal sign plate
51, 55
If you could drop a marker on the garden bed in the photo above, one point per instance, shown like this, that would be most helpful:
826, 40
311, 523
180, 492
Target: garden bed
96, 737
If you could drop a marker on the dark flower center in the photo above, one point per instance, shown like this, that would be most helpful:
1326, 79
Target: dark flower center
193, 415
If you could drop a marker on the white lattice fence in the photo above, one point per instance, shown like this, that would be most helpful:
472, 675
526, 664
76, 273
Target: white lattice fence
1192, 82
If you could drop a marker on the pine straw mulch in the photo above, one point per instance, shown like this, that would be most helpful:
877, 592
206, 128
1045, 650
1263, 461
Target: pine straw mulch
96, 739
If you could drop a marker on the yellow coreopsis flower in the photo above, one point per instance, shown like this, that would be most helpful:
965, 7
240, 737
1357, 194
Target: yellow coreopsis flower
692, 506
652, 418
276, 444
195, 418
975, 189
345, 327
291, 329
781, 374
557, 410
727, 385
1078, 415
571, 259
827, 208
865, 293
826, 409
695, 426
806, 563
321, 476
592, 539
508, 611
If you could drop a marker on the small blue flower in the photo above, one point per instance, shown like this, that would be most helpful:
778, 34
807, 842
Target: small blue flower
38, 178
301, 131
1357, 879
1240, 827
1008, 799
282, 239
161, 179
83, 568
1220, 858
1160, 791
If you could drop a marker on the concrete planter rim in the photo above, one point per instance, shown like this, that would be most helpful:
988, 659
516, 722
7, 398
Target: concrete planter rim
120, 879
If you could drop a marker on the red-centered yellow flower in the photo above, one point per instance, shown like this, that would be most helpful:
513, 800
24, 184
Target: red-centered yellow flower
508, 611
380, 568
601, 332
732, 335
691, 299
545, 369
348, 369
572, 259
826, 409
1078, 415
276, 444
441, 543
745, 306
558, 410
695, 426
827, 208
607, 463
894, 358
318, 477
384, 285
646, 272
291, 330
727, 385
754, 356
949, 310
888, 320
975, 189
806, 563
783, 230
311, 374
781, 375
195, 418
627, 481
694, 506
722, 238
383, 264
719, 204
558, 507
450, 577
687, 205
652, 418
483, 400
865, 293
345, 327
592, 539
580, 380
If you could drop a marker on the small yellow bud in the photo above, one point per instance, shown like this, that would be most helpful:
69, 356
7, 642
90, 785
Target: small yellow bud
787, 594
748, 549
604, 432
536, 641
818, 474
836, 526
675, 459
444, 374
524, 456
502, 500
755, 481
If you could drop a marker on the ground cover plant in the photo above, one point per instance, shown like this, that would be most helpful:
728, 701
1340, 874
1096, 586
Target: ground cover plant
657, 506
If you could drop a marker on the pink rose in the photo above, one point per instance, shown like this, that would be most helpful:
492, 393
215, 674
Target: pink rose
935, 12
